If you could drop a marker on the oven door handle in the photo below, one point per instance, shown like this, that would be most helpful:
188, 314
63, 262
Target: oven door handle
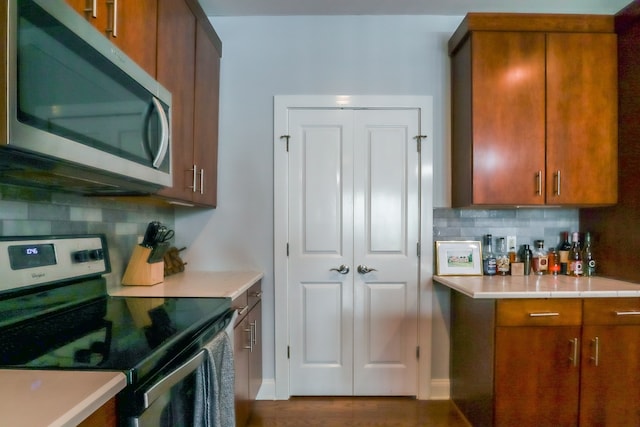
180, 373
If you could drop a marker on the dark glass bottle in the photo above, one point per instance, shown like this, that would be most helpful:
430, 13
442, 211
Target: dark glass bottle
488, 258
563, 251
575, 256
588, 261
526, 257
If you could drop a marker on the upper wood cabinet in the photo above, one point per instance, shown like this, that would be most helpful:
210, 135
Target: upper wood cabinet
534, 110
129, 24
189, 54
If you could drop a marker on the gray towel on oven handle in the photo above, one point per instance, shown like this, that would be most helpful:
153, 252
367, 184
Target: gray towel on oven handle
214, 398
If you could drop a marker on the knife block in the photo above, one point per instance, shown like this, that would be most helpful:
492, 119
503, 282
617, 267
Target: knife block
139, 272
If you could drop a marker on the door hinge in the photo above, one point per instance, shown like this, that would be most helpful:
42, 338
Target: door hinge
418, 249
418, 352
288, 352
419, 139
287, 141
287, 249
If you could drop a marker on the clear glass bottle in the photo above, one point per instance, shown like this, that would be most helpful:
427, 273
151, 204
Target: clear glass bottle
563, 251
540, 263
575, 256
502, 257
588, 261
488, 258
526, 257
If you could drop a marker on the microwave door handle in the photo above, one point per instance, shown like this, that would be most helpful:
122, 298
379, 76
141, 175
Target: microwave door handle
164, 137
180, 373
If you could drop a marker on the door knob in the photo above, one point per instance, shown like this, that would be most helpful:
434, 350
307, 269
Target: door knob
363, 269
343, 269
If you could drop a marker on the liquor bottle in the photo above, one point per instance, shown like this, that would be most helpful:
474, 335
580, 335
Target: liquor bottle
540, 259
563, 251
526, 257
588, 261
488, 258
502, 257
575, 256
554, 261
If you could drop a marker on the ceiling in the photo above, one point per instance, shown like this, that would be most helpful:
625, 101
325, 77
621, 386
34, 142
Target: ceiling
404, 7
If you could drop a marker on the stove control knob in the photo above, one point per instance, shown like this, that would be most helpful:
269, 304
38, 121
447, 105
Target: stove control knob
96, 254
81, 256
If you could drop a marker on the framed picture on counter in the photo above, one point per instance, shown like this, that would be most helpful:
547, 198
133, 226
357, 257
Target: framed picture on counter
458, 258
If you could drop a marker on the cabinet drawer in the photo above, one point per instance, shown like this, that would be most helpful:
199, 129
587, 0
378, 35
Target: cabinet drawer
241, 304
612, 311
539, 312
254, 294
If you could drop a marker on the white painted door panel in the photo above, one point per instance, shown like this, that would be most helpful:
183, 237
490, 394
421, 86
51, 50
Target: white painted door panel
321, 239
353, 201
386, 235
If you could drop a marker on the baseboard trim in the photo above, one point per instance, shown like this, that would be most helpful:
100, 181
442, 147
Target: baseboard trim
440, 389
267, 390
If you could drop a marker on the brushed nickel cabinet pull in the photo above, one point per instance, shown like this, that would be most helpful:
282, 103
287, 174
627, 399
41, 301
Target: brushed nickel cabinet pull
539, 183
596, 351
558, 183
113, 27
628, 313
201, 181
544, 314
574, 352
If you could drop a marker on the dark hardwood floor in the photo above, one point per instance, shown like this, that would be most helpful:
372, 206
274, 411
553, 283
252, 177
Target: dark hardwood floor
355, 412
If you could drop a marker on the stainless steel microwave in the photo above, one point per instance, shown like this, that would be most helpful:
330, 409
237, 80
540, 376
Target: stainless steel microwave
80, 115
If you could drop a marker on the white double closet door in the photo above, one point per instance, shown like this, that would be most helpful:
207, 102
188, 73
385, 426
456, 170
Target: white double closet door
353, 251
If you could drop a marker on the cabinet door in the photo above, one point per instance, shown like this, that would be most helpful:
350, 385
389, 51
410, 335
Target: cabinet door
205, 119
129, 24
537, 376
508, 123
176, 71
610, 376
241, 364
255, 356
581, 119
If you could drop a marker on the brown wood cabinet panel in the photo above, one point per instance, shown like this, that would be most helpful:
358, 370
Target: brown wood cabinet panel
205, 119
537, 376
176, 71
582, 118
105, 416
241, 362
610, 376
508, 107
534, 111
135, 26
539, 312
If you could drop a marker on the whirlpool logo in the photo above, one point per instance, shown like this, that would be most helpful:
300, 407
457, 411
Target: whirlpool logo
37, 275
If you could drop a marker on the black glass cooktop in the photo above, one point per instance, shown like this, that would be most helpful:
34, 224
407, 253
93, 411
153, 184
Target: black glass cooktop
78, 326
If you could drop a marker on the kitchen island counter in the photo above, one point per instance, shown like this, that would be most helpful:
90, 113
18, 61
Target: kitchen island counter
203, 284
54, 398
532, 286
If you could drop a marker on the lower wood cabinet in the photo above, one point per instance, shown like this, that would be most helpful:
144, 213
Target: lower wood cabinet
247, 353
105, 416
546, 362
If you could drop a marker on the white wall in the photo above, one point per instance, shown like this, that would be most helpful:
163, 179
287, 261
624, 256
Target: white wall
267, 56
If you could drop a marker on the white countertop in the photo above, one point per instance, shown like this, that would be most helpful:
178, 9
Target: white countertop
532, 286
204, 284
54, 398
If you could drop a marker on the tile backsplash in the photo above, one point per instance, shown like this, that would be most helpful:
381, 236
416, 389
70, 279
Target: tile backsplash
29, 212
526, 224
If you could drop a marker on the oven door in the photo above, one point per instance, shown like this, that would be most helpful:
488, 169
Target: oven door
172, 400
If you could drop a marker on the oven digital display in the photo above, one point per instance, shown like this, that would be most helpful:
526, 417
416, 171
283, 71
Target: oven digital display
30, 256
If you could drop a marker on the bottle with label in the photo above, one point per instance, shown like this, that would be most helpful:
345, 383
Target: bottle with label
588, 261
502, 257
575, 256
554, 261
563, 251
526, 257
488, 258
540, 263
